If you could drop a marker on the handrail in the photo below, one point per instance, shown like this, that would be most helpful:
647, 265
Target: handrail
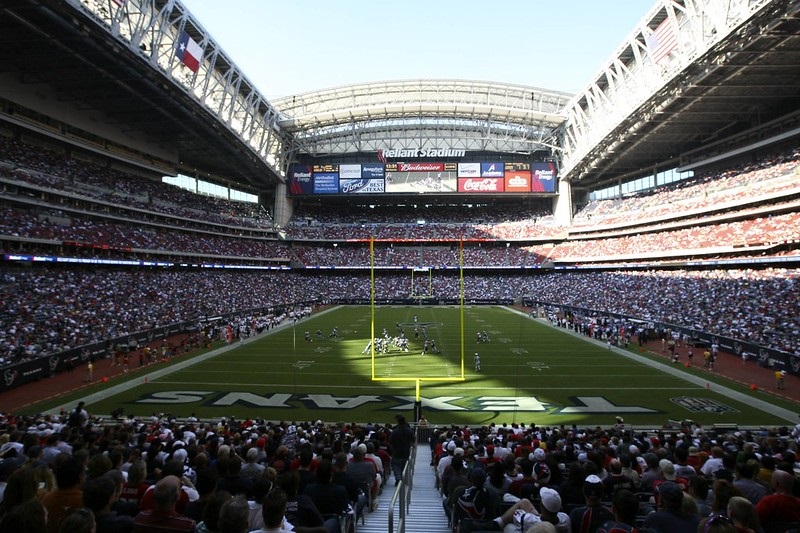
403, 492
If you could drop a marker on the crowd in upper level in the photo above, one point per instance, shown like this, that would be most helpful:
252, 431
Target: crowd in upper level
771, 174
759, 234
52, 170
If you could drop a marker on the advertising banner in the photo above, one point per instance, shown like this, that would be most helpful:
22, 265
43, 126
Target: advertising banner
469, 170
481, 185
543, 177
326, 183
300, 180
372, 171
361, 186
349, 172
492, 170
422, 178
420, 167
518, 181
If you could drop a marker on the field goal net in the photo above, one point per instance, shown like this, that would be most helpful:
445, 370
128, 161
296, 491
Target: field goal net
421, 283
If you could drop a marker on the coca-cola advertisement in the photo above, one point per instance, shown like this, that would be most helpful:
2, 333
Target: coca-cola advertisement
481, 185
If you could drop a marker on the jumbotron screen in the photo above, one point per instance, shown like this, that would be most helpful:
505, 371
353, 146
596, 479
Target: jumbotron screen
422, 178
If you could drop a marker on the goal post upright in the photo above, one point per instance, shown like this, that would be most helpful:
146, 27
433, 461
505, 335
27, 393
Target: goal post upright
372, 302
461, 297
417, 380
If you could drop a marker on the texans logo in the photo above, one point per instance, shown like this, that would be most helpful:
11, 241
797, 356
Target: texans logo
10, 376
763, 355
53, 361
795, 364
737, 348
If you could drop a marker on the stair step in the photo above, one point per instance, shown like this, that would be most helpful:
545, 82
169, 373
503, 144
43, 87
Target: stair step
425, 514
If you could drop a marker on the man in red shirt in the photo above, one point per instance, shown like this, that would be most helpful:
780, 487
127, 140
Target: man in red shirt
781, 506
164, 518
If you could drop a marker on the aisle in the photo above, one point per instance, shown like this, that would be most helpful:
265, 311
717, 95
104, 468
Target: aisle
426, 514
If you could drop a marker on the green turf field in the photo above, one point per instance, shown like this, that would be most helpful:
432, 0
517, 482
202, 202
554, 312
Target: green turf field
531, 372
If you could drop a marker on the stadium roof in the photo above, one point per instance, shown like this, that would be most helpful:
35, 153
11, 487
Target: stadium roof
741, 90
426, 113
70, 65
69, 68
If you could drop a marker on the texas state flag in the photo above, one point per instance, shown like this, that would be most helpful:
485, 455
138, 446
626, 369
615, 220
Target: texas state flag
189, 52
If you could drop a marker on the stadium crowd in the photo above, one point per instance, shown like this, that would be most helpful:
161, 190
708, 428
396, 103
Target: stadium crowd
122, 238
585, 480
45, 311
52, 170
161, 474
128, 473
771, 175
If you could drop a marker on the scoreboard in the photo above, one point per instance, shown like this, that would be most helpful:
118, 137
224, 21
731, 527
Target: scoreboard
422, 178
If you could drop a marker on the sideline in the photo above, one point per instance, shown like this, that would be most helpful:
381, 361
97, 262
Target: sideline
762, 405
123, 386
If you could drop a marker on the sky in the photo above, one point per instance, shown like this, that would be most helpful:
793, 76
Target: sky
289, 47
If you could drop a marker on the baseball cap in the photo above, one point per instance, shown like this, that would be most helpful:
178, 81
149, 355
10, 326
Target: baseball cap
538, 454
670, 491
8, 466
550, 499
668, 469
459, 452
541, 472
593, 487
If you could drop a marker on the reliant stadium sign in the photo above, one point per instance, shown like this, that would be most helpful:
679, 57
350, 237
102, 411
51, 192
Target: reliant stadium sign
413, 153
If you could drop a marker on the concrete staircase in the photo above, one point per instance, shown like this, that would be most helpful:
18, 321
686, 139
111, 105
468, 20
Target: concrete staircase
425, 512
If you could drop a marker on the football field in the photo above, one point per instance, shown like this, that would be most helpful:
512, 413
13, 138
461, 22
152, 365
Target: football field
530, 372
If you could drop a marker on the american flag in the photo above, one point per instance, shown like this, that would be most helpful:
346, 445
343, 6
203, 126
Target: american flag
381, 157
662, 41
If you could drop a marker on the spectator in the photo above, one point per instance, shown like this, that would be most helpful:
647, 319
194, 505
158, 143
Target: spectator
78, 520
588, 517
234, 516
330, 499
29, 516
670, 518
70, 477
98, 495
625, 507
781, 505
163, 517
743, 515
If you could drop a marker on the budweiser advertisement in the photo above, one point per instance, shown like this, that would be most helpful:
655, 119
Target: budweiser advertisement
481, 185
